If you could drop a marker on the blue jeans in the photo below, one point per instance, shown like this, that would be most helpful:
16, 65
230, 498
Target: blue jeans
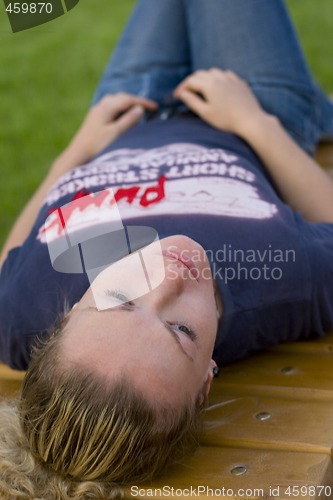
165, 40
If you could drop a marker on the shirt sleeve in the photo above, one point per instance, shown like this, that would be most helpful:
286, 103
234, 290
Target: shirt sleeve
33, 299
14, 347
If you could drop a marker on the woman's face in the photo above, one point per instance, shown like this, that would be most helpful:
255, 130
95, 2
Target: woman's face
162, 340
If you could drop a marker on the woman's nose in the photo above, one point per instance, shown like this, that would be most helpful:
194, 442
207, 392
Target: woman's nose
170, 288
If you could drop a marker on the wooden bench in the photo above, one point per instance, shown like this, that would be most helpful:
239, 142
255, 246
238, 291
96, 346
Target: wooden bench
269, 425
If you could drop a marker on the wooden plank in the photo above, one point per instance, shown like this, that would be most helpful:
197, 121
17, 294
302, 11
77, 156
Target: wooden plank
9, 388
7, 374
328, 337
10, 382
212, 468
289, 375
255, 421
324, 155
318, 346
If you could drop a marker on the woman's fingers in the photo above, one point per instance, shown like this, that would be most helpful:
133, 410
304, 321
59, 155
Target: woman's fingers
194, 83
126, 121
226, 101
113, 105
202, 81
123, 101
193, 91
196, 103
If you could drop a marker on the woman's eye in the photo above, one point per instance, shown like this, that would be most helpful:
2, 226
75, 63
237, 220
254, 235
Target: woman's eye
185, 329
119, 295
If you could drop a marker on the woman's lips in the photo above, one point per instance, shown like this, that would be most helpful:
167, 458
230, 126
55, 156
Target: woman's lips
186, 261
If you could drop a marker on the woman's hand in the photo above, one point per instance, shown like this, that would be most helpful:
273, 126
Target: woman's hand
222, 99
106, 121
228, 103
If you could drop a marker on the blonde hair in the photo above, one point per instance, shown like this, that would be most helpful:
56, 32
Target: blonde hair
72, 436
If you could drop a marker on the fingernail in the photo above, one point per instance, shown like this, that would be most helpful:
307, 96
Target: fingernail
138, 110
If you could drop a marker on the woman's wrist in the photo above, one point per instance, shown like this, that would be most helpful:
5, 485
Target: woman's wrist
255, 128
69, 159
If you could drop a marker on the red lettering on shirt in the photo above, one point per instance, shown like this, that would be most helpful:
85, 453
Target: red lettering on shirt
158, 192
82, 200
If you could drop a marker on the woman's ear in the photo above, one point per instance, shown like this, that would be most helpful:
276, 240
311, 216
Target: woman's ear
207, 383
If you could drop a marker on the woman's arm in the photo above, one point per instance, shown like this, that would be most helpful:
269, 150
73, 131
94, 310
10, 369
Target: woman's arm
303, 184
227, 103
106, 121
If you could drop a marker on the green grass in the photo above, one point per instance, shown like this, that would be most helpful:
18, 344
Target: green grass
48, 75
47, 78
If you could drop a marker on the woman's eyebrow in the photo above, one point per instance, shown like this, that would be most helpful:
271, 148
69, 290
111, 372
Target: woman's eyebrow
118, 307
127, 308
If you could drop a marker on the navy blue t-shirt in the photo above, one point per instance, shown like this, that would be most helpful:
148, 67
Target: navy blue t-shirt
181, 176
